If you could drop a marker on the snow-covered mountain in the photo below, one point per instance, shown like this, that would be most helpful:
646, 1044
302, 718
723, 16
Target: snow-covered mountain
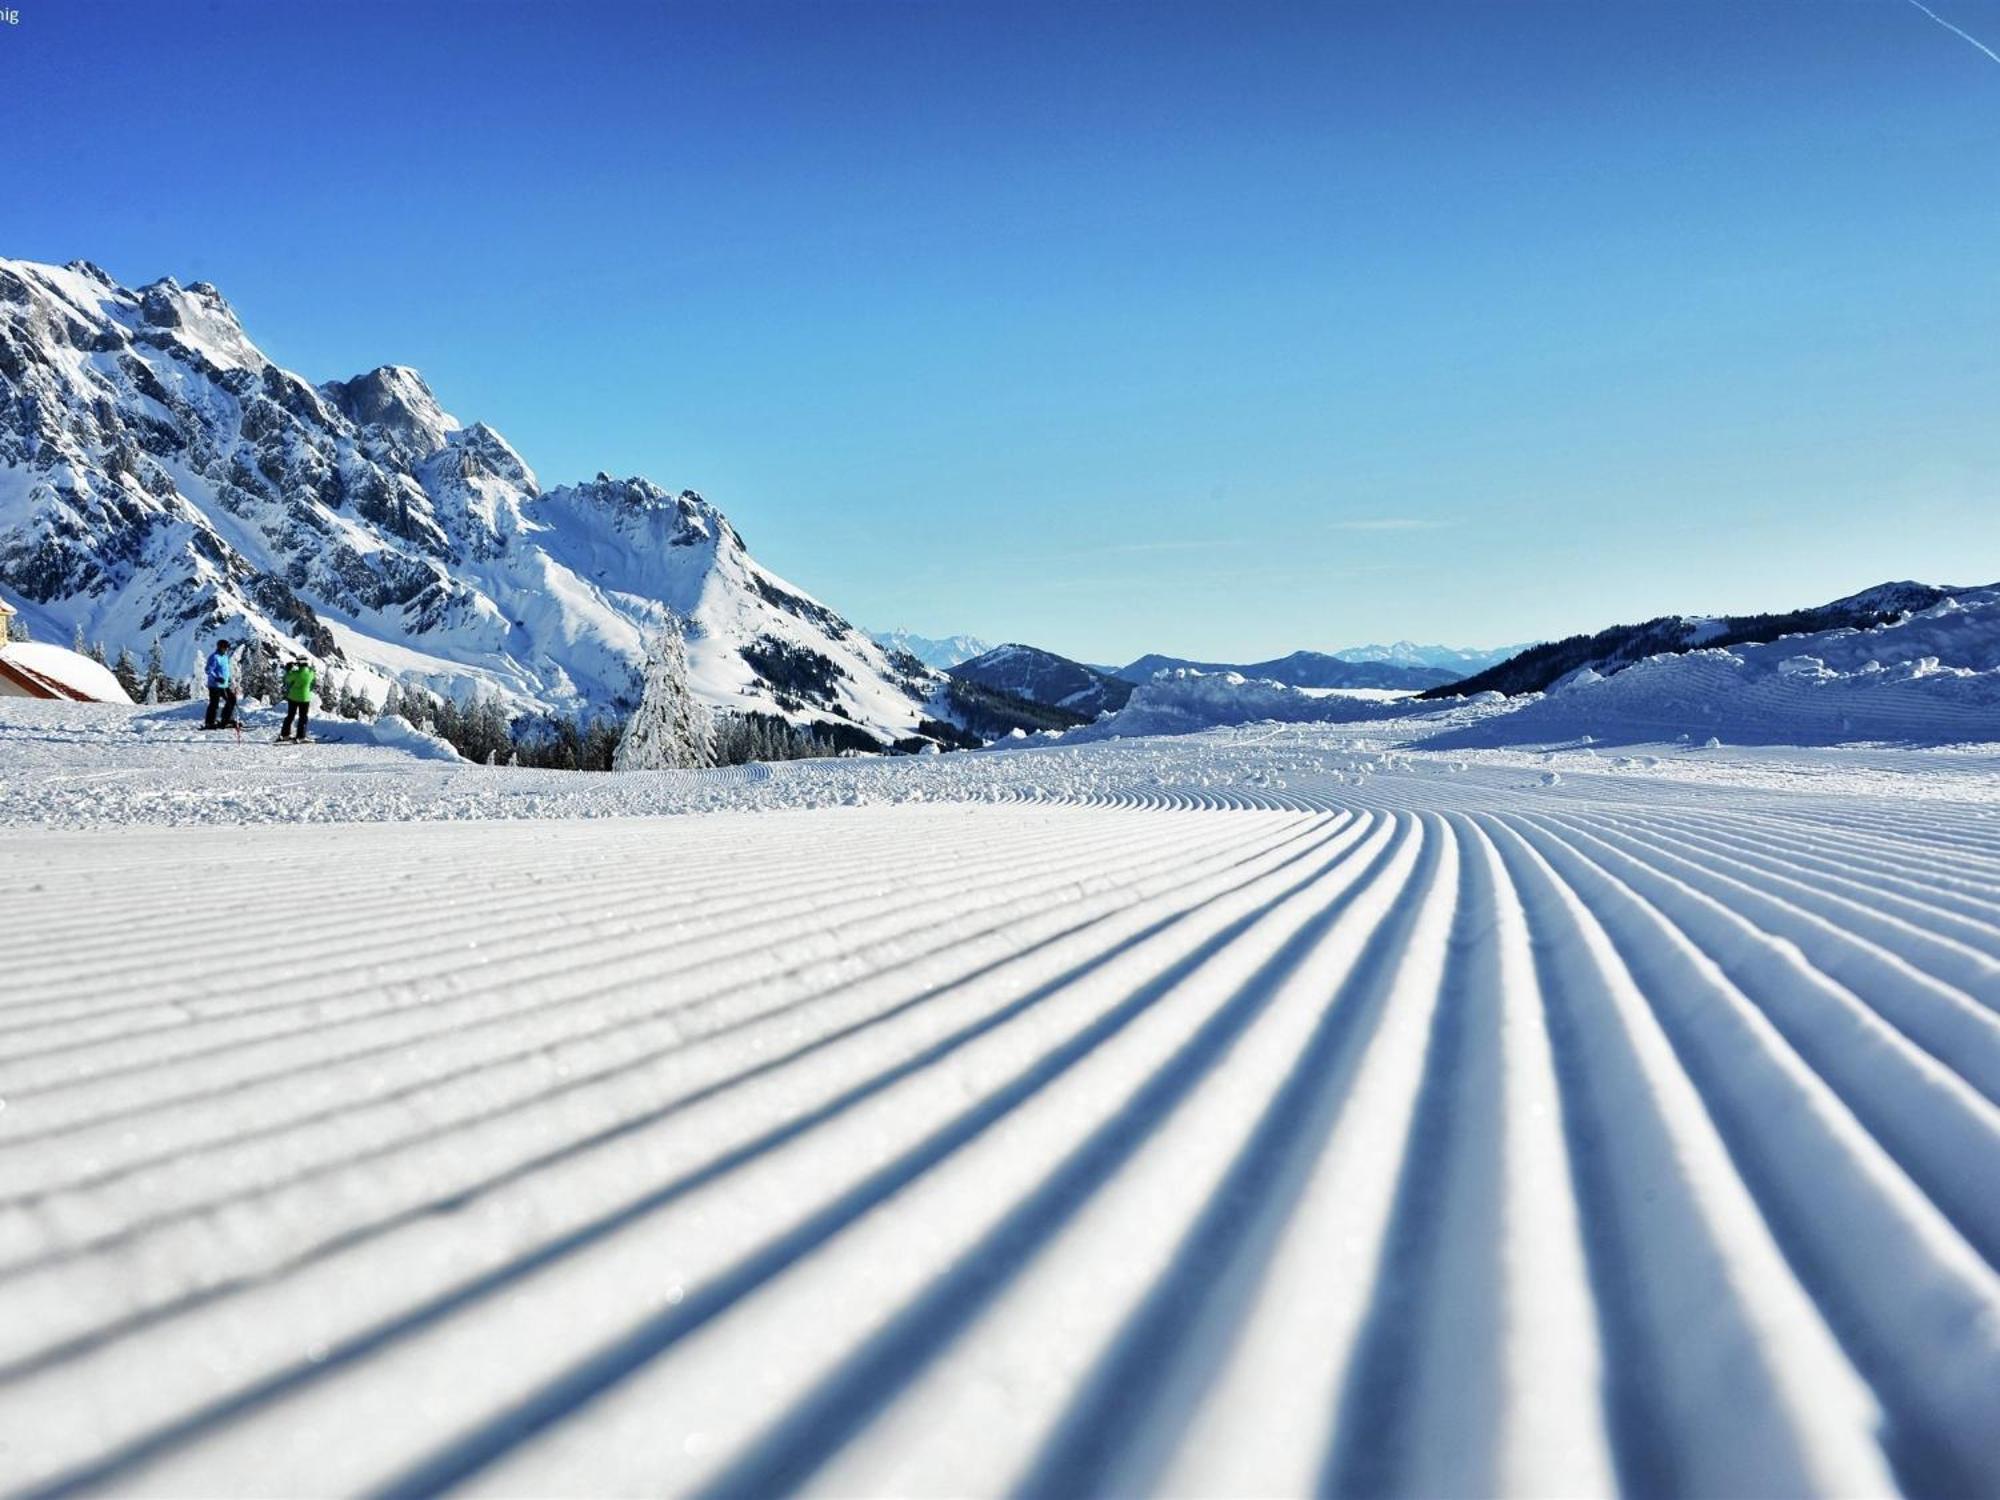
162, 480
1046, 678
1463, 660
942, 652
1306, 669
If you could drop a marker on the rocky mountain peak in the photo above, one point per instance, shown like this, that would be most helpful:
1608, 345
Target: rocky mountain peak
395, 401
196, 322
161, 481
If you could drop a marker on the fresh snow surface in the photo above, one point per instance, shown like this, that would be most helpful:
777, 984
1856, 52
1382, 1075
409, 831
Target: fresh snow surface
1262, 1111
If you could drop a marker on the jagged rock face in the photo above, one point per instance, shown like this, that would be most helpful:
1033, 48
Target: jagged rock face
161, 479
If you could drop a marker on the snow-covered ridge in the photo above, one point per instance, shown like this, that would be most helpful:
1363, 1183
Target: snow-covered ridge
1464, 660
1043, 677
1611, 650
162, 480
1930, 677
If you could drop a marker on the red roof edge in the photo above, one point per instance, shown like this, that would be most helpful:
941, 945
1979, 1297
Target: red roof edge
40, 686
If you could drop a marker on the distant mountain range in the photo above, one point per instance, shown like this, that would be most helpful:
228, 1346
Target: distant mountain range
1461, 660
1306, 669
1029, 674
941, 652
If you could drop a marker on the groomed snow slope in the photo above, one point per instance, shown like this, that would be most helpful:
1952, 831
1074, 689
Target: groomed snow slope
1254, 1113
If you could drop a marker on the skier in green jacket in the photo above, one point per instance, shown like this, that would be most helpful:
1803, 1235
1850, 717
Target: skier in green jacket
298, 696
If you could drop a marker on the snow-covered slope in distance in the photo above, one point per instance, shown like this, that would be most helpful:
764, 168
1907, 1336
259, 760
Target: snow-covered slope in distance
1618, 646
1931, 677
162, 480
941, 652
1046, 678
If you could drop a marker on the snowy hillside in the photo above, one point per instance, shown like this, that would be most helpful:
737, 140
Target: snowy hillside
1046, 678
941, 652
161, 480
1931, 677
1612, 650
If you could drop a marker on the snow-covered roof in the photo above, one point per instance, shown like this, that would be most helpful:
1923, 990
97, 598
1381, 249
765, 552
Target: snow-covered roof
61, 673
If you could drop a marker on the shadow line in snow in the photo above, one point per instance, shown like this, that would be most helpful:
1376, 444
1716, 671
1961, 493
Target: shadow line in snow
844, 1402
576, 1084
1119, 1430
1643, 1447
1897, 1312
482, 1447
1440, 1258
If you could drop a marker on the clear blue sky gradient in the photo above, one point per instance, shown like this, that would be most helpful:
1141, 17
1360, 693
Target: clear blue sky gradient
1217, 329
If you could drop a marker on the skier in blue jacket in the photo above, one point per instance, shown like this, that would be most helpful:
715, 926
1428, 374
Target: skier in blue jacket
221, 688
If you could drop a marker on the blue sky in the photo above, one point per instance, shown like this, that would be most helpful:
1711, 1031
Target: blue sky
1218, 329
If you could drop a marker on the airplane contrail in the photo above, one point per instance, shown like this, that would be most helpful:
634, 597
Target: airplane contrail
1956, 30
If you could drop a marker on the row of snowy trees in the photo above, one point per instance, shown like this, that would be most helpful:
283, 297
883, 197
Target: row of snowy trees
259, 675
670, 729
150, 683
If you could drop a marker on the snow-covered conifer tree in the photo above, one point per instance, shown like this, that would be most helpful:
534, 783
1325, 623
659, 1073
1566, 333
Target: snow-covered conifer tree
126, 671
156, 673
670, 730
491, 732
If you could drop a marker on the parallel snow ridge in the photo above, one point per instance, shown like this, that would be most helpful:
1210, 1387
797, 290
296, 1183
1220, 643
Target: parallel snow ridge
1556, 1147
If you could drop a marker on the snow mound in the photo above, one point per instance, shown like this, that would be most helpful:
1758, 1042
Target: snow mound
394, 732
